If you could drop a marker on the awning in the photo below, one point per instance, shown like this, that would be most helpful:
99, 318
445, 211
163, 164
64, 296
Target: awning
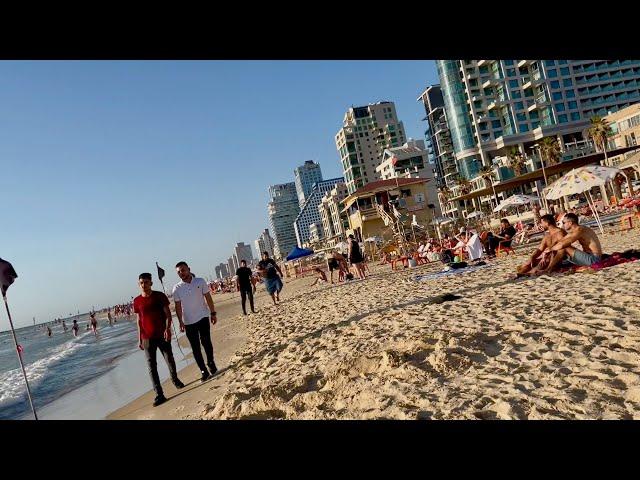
530, 177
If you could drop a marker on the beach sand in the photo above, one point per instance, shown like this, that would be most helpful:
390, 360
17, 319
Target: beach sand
553, 347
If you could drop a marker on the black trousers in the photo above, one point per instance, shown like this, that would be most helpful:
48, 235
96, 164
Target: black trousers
150, 347
199, 333
244, 293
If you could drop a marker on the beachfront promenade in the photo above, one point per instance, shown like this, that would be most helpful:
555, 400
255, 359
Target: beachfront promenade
553, 347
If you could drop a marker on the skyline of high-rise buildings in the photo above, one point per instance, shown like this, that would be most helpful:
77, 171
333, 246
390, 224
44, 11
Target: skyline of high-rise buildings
283, 208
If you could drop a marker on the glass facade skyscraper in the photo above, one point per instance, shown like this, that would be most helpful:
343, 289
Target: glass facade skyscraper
495, 105
283, 210
306, 176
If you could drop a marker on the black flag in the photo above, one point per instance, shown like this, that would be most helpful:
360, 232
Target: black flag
160, 272
7, 275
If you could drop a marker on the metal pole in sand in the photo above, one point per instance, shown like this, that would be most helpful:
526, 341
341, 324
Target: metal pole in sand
19, 353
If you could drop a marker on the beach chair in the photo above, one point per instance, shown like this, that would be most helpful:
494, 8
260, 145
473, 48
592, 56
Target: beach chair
504, 249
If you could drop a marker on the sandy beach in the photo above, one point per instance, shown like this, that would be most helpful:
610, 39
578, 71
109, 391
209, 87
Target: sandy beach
554, 347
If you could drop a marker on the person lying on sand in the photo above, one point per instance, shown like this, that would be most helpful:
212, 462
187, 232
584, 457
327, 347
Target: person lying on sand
591, 249
542, 255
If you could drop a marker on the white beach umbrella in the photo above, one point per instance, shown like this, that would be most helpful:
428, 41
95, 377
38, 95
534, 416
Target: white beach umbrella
342, 247
516, 200
373, 239
580, 180
474, 214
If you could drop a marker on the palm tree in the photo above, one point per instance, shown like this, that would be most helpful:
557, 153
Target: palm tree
486, 173
444, 194
516, 160
550, 150
599, 132
465, 187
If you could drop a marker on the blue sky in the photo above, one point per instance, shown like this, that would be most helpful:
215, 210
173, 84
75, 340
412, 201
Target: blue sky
108, 167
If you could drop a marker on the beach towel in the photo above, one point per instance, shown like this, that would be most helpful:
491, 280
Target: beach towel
433, 276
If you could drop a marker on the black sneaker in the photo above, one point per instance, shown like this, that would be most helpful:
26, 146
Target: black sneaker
213, 369
178, 384
205, 376
159, 400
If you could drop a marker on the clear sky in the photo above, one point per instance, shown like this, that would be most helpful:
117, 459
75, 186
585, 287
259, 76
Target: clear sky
108, 167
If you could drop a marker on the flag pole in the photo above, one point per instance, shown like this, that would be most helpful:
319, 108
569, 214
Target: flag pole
184, 357
19, 353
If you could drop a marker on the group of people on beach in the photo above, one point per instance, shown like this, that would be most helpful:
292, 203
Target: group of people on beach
556, 246
195, 310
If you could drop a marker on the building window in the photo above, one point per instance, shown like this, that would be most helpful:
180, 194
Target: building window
573, 105
519, 106
510, 72
552, 73
522, 117
513, 83
564, 71
508, 62
557, 95
549, 63
559, 107
570, 93
555, 84
496, 124
535, 124
497, 133
516, 94
523, 127
567, 82
562, 118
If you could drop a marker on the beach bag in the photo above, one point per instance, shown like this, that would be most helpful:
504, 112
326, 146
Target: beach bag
456, 265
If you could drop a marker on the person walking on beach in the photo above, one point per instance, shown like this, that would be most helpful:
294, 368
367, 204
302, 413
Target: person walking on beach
194, 307
49, 333
273, 283
355, 256
154, 333
64, 326
75, 328
109, 317
245, 285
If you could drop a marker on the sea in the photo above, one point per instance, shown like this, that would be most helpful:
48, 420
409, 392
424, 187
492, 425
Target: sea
61, 363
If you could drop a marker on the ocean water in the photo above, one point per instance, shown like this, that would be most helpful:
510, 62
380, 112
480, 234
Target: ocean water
61, 363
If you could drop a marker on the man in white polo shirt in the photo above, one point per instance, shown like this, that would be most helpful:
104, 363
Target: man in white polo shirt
194, 307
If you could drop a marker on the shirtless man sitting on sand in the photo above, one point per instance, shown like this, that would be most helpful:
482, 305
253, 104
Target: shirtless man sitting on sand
542, 255
591, 249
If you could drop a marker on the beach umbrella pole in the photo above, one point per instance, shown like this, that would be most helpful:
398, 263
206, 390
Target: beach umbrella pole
592, 205
19, 353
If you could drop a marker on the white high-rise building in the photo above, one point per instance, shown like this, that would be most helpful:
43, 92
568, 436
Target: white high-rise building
264, 243
361, 141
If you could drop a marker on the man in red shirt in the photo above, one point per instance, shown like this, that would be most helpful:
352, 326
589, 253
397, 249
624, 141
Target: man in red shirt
154, 332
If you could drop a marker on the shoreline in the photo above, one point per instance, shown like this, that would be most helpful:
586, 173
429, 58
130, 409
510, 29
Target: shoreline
229, 337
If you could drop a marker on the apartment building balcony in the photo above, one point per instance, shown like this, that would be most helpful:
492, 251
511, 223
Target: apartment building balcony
524, 63
492, 82
498, 102
482, 62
